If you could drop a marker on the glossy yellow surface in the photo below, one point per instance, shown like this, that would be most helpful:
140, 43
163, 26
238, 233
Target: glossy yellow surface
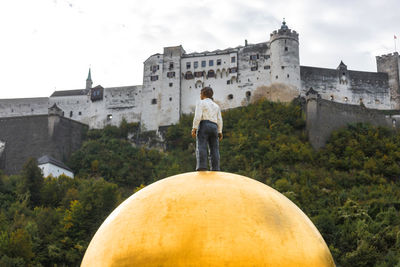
207, 219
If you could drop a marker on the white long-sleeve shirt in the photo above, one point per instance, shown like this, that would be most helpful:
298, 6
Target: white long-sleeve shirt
207, 109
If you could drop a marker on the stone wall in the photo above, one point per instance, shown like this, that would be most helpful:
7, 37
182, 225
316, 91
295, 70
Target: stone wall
23, 106
347, 86
30, 136
324, 116
390, 64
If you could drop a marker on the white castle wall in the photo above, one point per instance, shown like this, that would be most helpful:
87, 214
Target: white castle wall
170, 91
191, 87
23, 106
151, 90
75, 107
272, 68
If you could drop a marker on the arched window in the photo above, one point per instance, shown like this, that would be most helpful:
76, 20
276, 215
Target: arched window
230, 97
210, 74
189, 75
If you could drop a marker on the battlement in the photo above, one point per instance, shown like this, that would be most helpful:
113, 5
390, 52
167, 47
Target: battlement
284, 33
387, 56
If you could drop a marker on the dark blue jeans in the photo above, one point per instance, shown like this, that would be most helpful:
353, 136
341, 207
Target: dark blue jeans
207, 135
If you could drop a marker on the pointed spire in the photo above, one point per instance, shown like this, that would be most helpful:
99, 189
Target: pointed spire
89, 81
89, 77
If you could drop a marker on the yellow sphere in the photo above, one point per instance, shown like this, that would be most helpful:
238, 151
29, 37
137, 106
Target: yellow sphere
207, 219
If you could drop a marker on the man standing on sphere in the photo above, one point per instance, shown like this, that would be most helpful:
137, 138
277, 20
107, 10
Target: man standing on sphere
207, 128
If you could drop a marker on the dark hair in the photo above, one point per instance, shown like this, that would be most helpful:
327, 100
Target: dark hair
207, 92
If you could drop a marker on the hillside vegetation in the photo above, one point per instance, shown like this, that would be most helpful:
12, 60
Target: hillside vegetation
349, 189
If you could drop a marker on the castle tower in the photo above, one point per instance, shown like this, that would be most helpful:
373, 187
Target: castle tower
161, 93
171, 86
390, 64
89, 82
285, 62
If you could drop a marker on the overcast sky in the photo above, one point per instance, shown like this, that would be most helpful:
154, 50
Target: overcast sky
49, 45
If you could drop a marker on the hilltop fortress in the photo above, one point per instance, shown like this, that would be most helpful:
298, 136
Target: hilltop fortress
172, 82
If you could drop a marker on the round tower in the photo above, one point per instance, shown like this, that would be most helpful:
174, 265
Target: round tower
285, 62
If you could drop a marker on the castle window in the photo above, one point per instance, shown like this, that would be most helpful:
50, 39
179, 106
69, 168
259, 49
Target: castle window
211, 63
210, 74
109, 117
196, 64
70, 114
248, 95
232, 70
171, 65
283, 67
203, 63
267, 67
171, 74
346, 99
228, 82
286, 48
154, 68
189, 75
254, 68
187, 65
198, 74
218, 62
276, 77
230, 96
80, 113
288, 75
170, 84
233, 59
154, 78
170, 98
253, 57
154, 101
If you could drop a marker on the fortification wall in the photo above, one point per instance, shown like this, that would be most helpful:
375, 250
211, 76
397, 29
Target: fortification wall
75, 107
23, 106
348, 87
324, 117
30, 136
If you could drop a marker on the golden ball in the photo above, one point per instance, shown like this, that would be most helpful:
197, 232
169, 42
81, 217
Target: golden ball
207, 219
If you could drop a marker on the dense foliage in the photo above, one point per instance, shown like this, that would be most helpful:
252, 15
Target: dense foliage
349, 189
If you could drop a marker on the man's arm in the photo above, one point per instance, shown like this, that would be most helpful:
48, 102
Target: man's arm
219, 124
196, 119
